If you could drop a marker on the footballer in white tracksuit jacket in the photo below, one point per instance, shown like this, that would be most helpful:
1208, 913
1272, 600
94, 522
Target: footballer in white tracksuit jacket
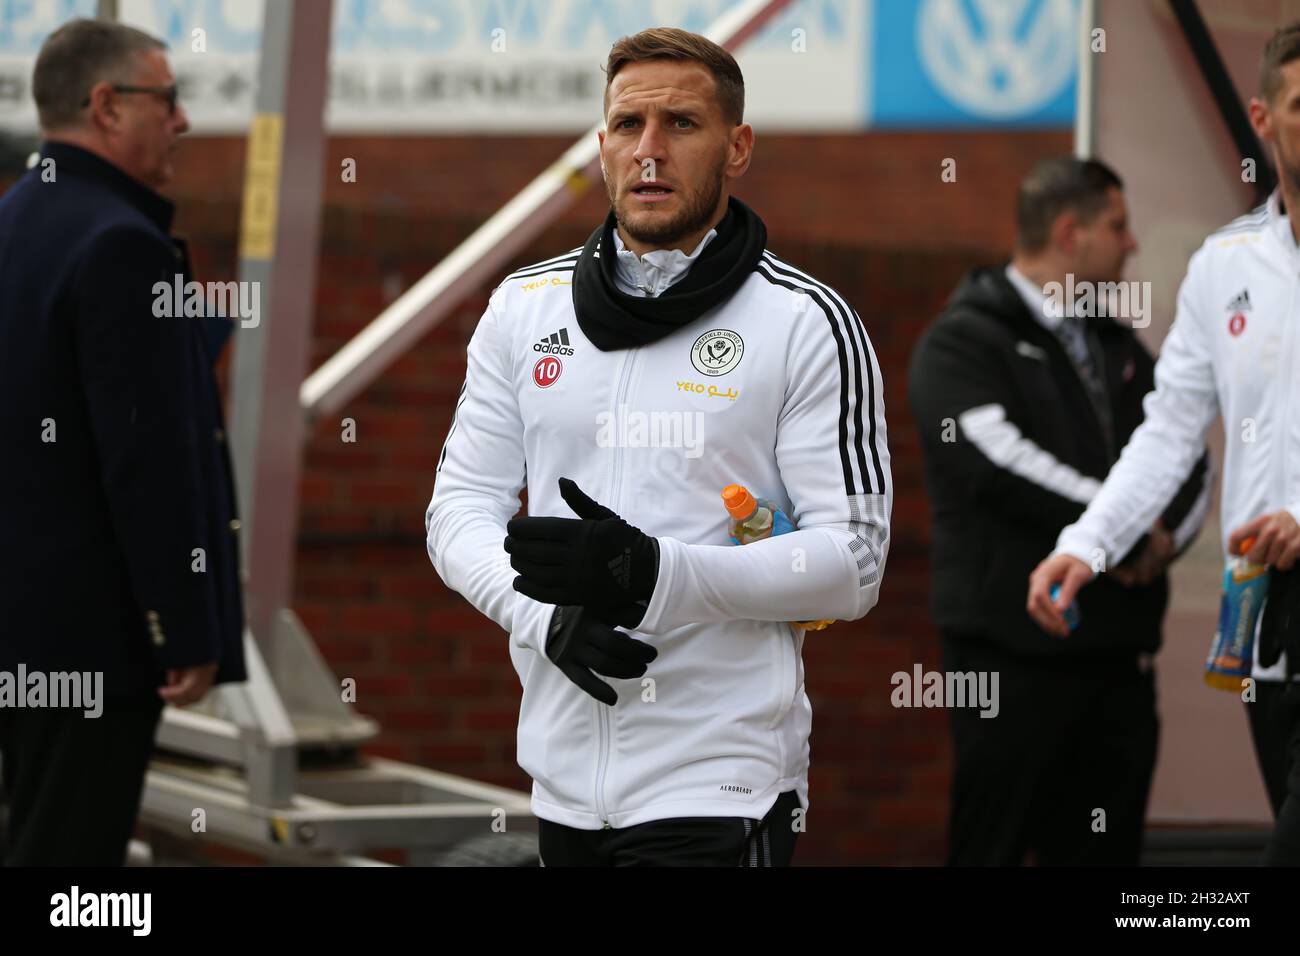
778, 389
1233, 350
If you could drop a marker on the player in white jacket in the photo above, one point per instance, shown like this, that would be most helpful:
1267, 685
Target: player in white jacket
1233, 350
626, 384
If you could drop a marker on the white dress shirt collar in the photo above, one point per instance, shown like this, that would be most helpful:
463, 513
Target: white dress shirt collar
1048, 311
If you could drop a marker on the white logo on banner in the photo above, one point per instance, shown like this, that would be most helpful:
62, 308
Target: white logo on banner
998, 58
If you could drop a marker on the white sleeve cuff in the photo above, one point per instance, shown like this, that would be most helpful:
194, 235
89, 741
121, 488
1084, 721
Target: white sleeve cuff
656, 610
530, 622
1078, 543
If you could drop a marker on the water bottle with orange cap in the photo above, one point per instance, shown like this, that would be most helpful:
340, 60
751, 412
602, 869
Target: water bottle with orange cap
1245, 585
753, 519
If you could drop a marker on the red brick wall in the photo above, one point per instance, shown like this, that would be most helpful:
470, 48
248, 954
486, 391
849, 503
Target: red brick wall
866, 214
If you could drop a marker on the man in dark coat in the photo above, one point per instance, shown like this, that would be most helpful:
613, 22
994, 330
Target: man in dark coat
120, 564
1024, 392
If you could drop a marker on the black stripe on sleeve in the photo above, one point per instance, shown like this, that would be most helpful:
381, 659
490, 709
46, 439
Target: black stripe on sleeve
860, 334
850, 486
451, 431
565, 262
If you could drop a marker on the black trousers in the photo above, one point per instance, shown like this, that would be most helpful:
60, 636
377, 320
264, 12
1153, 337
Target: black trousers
1063, 772
682, 841
73, 783
1275, 729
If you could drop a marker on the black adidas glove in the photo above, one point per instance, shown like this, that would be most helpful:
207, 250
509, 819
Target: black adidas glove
596, 560
579, 643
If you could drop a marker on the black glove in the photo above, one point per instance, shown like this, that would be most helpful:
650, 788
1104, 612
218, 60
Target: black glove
579, 643
596, 560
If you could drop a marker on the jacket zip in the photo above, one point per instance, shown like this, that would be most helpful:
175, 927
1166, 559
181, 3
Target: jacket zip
602, 758
603, 733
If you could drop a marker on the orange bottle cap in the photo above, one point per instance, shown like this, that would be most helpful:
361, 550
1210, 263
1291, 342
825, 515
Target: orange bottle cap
1246, 545
740, 503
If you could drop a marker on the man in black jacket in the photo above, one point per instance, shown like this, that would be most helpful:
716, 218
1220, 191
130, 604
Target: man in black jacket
117, 513
1024, 396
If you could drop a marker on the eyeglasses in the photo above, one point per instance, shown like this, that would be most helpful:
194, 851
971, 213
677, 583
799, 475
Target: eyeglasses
168, 93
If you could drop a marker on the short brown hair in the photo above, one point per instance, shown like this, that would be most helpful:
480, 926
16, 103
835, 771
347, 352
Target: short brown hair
1054, 186
78, 55
669, 43
1281, 49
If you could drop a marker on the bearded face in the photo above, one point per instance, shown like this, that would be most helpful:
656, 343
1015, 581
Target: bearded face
667, 153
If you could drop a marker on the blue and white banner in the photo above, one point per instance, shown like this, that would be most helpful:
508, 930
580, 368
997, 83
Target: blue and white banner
974, 62
534, 66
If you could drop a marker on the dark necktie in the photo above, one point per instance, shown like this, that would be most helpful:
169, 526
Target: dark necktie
1073, 335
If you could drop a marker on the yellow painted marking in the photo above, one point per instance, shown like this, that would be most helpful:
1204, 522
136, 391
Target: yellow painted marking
261, 187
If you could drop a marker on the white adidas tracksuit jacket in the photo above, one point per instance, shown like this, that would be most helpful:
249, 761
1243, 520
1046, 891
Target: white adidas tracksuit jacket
1233, 350
777, 389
